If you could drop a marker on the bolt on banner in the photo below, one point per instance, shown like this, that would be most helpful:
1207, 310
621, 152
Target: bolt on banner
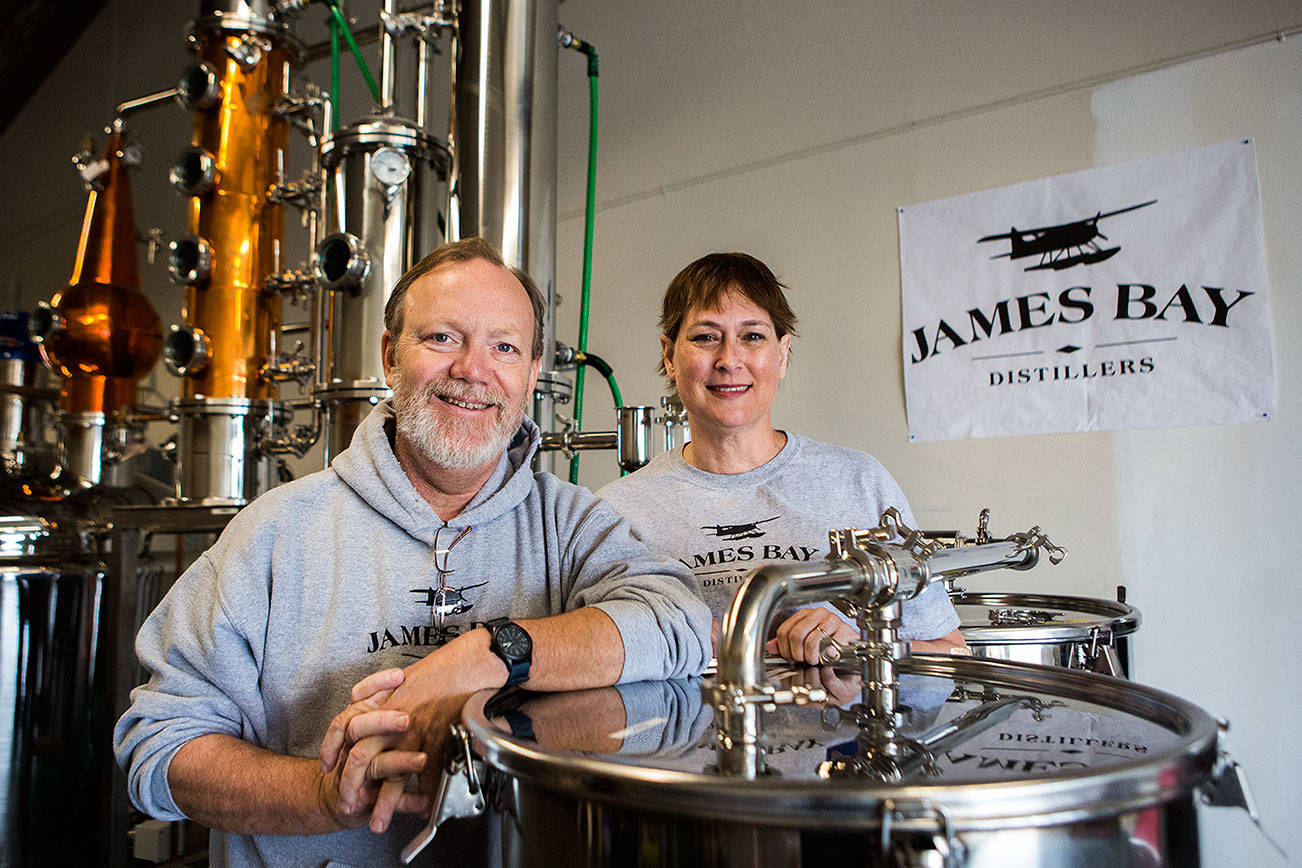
1128, 296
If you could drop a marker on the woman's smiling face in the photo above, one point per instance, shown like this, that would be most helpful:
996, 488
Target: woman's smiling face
726, 364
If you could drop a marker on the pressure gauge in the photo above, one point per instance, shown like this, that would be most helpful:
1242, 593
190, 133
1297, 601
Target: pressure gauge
390, 167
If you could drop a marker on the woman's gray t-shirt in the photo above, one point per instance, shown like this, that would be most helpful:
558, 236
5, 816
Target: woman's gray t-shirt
722, 526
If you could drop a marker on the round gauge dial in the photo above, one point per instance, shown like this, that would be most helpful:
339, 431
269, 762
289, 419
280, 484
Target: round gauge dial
390, 167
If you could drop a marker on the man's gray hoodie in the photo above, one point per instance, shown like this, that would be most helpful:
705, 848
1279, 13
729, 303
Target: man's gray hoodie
324, 580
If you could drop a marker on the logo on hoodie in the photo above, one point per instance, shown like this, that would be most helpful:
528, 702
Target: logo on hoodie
442, 602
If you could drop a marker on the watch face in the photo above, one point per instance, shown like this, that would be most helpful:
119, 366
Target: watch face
514, 641
390, 167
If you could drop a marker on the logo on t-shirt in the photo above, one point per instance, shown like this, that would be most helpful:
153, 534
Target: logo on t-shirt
749, 530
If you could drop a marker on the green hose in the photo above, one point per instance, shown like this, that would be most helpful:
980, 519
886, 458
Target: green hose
584, 360
614, 390
589, 215
352, 45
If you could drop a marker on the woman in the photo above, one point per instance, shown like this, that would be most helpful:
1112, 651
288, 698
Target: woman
743, 493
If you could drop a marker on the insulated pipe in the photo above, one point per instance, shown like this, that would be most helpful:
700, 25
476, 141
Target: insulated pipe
492, 124
388, 58
502, 134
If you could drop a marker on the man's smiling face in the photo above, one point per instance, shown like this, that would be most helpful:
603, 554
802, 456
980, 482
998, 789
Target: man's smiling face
460, 369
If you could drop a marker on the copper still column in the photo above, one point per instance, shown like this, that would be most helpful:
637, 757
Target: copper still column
227, 409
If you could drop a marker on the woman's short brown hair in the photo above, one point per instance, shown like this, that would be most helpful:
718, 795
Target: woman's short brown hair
707, 281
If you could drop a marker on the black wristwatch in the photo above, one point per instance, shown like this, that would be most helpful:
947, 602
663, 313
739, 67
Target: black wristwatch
511, 642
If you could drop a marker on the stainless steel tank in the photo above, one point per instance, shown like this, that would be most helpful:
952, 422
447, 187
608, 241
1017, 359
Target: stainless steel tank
52, 709
993, 764
28, 401
1075, 632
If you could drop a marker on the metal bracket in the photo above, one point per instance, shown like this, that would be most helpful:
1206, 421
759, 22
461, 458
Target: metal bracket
305, 112
250, 50
460, 793
1228, 788
768, 696
892, 524
1028, 617
931, 832
1036, 539
831, 651
303, 193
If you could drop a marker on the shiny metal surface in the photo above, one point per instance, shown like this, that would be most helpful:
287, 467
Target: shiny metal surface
634, 428
868, 573
1074, 632
218, 450
28, 449
676, 429
383, 180
492, 124
255, 17
51, 707
186, 350
631, 438
246, 138
1005, 762
83, 450
189, 260
53, 717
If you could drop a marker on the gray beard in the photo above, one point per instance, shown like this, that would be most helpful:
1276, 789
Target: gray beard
444, 441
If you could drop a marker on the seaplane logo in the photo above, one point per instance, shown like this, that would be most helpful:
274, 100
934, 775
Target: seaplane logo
445, 601
1064, 245
738, 531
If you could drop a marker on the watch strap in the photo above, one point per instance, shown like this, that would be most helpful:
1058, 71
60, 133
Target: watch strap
517, 668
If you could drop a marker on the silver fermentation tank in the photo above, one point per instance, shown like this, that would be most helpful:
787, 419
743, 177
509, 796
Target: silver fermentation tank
888, 759
55, 713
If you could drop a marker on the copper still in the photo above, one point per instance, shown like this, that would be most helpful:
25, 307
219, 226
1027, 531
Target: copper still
237, 156
101, 334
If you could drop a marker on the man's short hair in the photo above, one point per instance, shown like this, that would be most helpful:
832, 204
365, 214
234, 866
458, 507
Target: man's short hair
465, 250
706, 283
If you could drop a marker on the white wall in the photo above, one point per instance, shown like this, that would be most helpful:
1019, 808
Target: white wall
793, 131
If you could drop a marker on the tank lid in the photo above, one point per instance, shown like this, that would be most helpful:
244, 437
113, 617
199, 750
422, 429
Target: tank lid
988, 741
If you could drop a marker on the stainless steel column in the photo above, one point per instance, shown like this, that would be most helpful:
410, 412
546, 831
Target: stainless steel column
503, 141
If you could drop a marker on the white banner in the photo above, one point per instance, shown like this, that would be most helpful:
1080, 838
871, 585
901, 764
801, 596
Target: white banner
1130, 296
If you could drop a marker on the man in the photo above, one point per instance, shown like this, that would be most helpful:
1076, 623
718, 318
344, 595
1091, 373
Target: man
427, 528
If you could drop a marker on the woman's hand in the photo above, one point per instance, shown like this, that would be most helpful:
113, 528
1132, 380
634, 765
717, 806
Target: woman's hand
800, 636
